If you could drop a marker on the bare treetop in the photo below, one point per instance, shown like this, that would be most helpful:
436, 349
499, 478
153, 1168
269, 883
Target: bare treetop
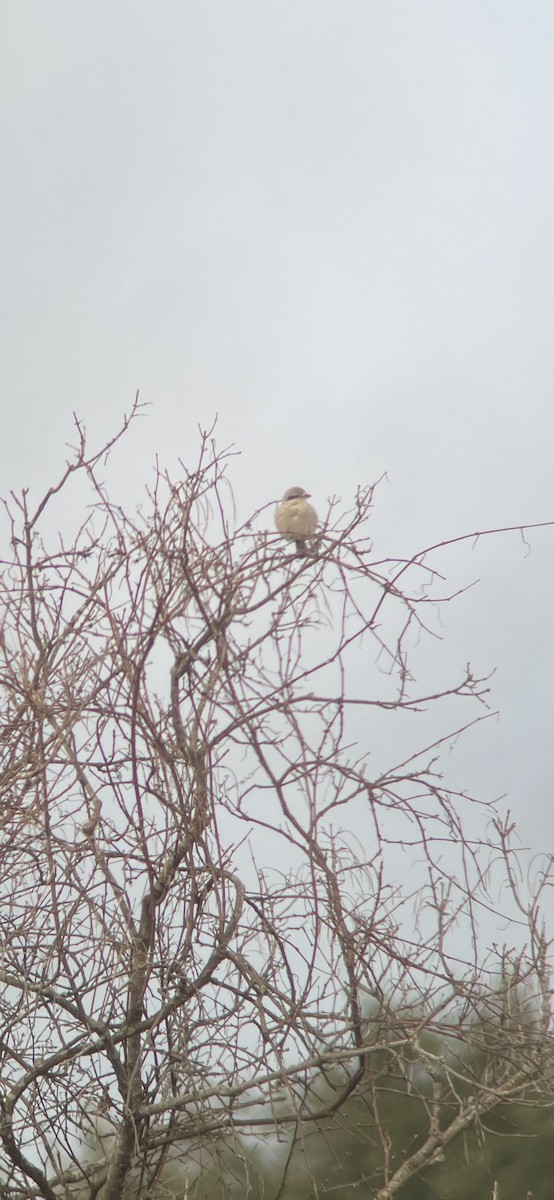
209, 923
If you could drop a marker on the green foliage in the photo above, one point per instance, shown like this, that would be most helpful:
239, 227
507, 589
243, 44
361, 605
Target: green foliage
513, 1148
510, 1149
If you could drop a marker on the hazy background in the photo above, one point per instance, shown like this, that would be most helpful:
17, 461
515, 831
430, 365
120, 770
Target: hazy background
330, 222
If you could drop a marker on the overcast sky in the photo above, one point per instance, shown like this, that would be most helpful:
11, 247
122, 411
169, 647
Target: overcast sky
330, 222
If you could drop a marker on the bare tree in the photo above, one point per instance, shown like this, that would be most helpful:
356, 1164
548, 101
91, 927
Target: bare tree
212, 935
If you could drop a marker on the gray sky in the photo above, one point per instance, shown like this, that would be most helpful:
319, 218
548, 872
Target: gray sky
330, 222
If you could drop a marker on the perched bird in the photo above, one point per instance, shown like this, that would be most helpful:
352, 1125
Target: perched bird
295, 519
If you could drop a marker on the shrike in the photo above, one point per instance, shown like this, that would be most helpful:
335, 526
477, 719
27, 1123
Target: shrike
295, 519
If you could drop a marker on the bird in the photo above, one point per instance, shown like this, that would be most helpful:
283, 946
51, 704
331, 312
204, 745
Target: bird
295, 519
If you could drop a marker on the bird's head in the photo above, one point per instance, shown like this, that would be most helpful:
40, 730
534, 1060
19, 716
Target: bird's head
296, 493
